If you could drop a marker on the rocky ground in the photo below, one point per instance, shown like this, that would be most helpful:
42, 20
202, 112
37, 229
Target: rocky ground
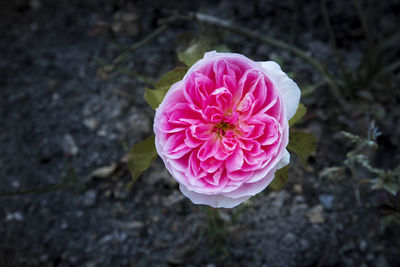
60, 122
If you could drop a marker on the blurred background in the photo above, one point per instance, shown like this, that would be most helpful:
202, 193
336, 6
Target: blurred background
72, 78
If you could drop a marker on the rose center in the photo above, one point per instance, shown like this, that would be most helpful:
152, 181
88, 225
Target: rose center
223, 126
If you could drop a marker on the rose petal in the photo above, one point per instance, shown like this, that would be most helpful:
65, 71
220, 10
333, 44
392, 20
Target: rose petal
251, 189
289, 90
215, 201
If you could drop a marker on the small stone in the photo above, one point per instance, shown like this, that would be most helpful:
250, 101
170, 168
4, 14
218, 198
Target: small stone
108, 193
64, 225
363, 245
304, 244
126, 23
69, 146
370, 256
299, 199
120, 191
135, 225
44, 257
91, 264
91, 123
105, 239
102, 133
105, 171
315, 214
52, 85
15, 216
128, 225
89, 198
289, 238
35, 4
278, 198
55, 97
298, 189
15, 184
326, 200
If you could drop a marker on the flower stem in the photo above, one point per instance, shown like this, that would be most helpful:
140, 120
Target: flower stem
216, 232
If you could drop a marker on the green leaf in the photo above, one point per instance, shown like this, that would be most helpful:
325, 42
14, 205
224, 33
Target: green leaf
155, 97
280, 179
141, 156
171, 77
222, 48
193, 53
301, 111
302, 144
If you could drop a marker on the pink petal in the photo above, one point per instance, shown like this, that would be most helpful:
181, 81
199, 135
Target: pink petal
209, 148
211, 165
234, 161
251, 189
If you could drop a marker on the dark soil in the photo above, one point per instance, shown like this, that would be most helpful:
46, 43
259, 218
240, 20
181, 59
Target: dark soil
60, 122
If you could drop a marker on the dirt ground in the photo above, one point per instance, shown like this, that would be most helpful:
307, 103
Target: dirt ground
60, 122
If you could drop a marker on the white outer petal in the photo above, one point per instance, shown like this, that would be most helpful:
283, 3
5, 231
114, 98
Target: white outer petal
289, 90
215, 201
285, 160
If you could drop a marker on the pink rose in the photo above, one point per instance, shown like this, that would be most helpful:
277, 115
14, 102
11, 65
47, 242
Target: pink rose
222, 131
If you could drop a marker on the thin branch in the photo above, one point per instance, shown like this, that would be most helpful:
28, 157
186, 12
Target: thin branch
136, 75
109, 67
208, 19
390, 40
226, 25
392, 67
139, 44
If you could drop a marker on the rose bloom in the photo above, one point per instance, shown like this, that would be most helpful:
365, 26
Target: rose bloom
222, 131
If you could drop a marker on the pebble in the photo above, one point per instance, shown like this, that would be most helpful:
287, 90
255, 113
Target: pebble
105, 171
363, 245
69, 146
89, 198
91, 264
298, 189
91, 123
129, 225
15, 216
326, 201
120, 191
304, 244
315, 214
299, 199
15, 184
289, 238
106, 239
